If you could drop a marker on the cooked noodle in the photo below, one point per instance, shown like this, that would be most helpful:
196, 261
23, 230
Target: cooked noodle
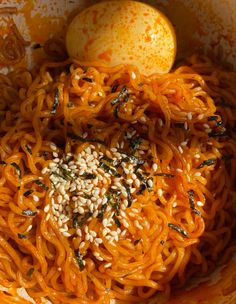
171, 138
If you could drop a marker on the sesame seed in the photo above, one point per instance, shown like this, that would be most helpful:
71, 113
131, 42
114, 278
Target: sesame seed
197, 156
200, 116
95, 214
98, 240
197, 174
82, 244
200, 204
29, 228
47, 217
99, 258
184, 143
93, 233
174, 205
132, 190
84, 136
189, 115
180, 149
45, 170
126, 225
78, 232
53, 147
186, 125
179, 170
160, 122
150, 183
133, 75
123, 233
56, 160
142, 119
129, 181
137, 225
124, 193
46, 208
137, 183
35, 198
206, 126
66, 234
154, 167
160, 192
126, 203
114, 233
126, 171
55, 154
107, 265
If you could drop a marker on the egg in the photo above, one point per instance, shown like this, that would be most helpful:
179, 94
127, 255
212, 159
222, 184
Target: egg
123, 32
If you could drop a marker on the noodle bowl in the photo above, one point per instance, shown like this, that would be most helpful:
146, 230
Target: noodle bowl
115, 185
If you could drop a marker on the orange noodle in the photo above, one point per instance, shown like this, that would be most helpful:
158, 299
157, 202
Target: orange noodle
114, 185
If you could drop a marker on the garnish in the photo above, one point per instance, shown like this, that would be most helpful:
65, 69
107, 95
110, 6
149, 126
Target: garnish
88, 79
28, 149
135, 142
113, 200
88, 175
80, 138
87, 196
36, 46
164, 175
178, 229
217, 133
21, 236
82, 219
40, 184
75, 222
108, 169
28, 212
219, 123
106, 158
102, 211
18, 170
28, 192
224, 104
227, 157
192, 203
141, 189
207, 162
212, 118
123, 93
129, 197
30, 272
117, 222
79, 259
114, 88
65, 173
179, 125
55, 102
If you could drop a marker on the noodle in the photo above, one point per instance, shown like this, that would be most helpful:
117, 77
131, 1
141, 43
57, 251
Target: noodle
114, 185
